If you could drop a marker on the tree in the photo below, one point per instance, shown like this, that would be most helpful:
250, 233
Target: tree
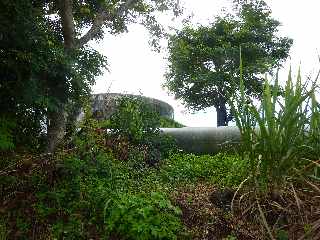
59, 63
33, 69
22, 55
204, 61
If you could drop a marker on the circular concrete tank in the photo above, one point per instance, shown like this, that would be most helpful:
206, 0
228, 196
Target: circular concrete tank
105, 104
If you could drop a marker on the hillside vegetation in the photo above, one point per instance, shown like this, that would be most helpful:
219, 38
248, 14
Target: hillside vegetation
121, 179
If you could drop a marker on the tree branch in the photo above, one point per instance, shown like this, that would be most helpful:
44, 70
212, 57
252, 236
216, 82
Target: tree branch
96, 25
98, 22
68, 28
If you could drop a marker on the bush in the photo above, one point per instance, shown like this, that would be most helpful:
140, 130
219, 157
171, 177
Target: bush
6, 134
280, 142
143, 217
63, 196
221, 169
280, 134
73, 205
169, 123
135, 125
135, 120
22, 131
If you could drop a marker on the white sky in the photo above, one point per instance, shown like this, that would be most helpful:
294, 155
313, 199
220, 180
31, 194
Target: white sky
135, 68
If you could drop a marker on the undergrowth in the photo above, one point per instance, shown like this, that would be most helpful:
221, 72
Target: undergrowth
280, 143
221, 169
94, 195
103, 184
124, 180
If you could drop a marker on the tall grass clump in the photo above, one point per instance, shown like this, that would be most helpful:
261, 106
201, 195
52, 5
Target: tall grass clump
3, 230
280, 140
281, 134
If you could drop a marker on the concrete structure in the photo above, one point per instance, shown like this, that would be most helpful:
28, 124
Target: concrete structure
204, 140
199, 140
105, 104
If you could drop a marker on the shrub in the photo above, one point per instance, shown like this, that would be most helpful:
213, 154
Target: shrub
63, 195
73, 205
135, 120
280, 141
169, 123
279, 134
6, 134
143, 217
22, 131
135, 125
226, 170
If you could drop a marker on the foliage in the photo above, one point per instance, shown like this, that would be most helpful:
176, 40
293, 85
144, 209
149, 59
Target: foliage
204, 61
3, 230
169, 123
84, 192
46, 63
143, 217
220, 169
34, 68
134, 119
20, 59
6, 135
77, 199
278, 142
70, 197
278, 136
136, 123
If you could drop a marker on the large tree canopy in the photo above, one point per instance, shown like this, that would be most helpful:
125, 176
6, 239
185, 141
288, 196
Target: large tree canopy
204, 61
45, 61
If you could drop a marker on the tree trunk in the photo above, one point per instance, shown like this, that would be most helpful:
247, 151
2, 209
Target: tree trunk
55, 129
222, 116
57, 118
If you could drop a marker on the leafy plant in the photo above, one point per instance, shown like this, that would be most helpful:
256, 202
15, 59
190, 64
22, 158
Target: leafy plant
135, 124
143, 217
169, 123
278, 134
278, 142
6, 134
226, 170
3, 230
134, 119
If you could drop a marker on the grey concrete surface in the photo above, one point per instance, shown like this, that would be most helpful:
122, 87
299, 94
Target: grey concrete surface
105, 104
204, 140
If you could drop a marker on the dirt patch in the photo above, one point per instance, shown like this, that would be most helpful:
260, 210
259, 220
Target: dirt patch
207, 219
206, 213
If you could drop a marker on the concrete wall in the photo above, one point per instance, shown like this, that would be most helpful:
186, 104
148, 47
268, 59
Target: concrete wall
105, 104
204, 140
199, 140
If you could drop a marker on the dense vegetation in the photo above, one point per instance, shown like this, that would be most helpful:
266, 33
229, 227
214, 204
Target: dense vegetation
122, 178
47, 67
115, 181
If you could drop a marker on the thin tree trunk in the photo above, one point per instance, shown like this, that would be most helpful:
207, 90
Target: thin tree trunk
57, 118
222, 116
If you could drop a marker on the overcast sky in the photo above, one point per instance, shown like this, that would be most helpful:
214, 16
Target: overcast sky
135, 68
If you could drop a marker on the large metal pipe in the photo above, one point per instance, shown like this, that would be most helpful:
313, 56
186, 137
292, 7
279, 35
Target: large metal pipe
204, 140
